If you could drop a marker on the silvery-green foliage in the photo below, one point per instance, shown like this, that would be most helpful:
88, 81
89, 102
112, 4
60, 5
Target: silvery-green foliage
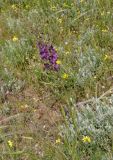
14, 24
97, 121
89, 61
97, 118
94, 120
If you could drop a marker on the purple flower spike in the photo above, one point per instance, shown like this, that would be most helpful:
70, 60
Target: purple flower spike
53, 55
53, 58
49, 54
44, 52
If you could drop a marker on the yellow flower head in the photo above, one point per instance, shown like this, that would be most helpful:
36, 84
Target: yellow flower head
86, 139
65, 76
27, 6
14, 7
102, 13
58, 140
10, 143
67, 52
59, 20
15, 39
104, 30
106, 57
53, 8
58, 62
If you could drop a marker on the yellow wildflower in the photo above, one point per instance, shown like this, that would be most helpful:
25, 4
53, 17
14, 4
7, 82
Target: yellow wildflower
86, 139
58, 62
106, 57
53, 8
102, 13
27, 6
14, 7
104, 30
58, 140
10, 143
59, 20
65, 76
15, 39
67, 52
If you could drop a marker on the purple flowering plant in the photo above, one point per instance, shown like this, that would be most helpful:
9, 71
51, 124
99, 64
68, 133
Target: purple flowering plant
49, 55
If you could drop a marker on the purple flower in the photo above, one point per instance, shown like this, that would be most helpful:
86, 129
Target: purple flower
53, 55
44, 52
49, 54
53, 58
